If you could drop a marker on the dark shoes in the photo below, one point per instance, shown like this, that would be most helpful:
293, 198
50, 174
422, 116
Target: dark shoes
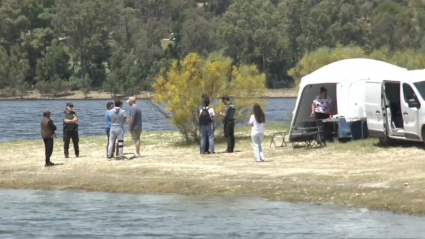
49, 164
228, 152
67, 156
206, 153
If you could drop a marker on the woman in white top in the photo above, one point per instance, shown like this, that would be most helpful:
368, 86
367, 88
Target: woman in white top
257, 121
322, 105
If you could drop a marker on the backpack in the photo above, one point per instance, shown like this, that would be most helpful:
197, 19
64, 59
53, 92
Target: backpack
204, 117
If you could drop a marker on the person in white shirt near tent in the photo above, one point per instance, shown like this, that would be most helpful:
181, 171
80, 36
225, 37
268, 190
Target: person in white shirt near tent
257, 121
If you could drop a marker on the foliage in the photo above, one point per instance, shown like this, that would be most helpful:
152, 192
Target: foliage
46, 40
182, 85
412, 60
57, 87
321, 57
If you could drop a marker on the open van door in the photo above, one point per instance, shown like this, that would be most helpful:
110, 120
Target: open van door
375, 111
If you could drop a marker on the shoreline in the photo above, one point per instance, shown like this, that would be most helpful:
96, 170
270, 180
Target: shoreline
97, 95
357, 174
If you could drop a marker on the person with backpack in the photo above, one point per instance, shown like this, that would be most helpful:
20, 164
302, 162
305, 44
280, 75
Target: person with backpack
206, 121
256, 121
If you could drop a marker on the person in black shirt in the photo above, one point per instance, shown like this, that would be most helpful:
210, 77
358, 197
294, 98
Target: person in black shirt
229, 123
70, 130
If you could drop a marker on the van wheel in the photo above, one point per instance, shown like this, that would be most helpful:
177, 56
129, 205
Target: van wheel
385, 141
423, 135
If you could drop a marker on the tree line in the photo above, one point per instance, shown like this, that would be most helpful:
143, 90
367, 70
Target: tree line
120, 46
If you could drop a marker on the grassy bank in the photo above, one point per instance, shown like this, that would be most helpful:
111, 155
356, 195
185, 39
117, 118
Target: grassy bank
358, 173
97, 95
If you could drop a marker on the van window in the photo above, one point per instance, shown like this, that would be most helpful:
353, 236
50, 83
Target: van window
420, 86
408, 92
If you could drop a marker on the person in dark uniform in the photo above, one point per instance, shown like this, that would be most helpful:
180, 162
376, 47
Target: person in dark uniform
229, 123
206, 149
48, 134
70, 130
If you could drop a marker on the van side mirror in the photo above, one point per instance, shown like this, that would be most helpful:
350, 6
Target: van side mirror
413, 103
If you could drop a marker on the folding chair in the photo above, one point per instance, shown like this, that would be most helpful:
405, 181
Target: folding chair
282, 135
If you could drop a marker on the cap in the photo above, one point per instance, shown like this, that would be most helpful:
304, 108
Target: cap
69, 104
131, 99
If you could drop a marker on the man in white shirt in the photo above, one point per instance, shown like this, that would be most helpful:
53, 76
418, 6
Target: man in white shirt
206, 121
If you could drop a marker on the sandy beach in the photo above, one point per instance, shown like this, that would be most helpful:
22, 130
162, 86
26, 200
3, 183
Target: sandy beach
359, 173
97, 95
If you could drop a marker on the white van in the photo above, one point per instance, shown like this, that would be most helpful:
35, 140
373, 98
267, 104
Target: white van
395, 107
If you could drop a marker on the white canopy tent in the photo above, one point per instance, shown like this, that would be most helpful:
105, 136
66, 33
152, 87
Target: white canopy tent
345, 83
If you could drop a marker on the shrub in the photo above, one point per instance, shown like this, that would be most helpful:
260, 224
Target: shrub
183, 84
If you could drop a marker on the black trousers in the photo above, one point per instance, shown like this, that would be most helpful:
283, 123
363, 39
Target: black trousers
327, 127
229, 133
108, 130
48, 146
67, 136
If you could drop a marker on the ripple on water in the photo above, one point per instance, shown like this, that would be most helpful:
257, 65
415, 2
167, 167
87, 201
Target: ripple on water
71, 214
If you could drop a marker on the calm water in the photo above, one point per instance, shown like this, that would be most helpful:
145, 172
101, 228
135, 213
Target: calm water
68, 214
21, 119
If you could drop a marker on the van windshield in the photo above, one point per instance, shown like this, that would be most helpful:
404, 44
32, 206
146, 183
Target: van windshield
420, 86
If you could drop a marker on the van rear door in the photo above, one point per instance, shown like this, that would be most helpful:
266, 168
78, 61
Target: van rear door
375, 111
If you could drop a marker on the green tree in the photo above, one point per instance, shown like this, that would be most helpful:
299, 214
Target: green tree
4, 68
124, 75
18, 70
54, 63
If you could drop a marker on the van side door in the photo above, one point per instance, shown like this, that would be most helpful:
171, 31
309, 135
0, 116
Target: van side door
410, 114
374, 109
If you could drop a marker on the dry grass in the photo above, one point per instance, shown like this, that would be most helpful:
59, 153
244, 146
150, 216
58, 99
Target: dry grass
357, 173
97, 95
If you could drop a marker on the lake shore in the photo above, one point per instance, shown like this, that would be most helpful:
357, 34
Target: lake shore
359, 174
97, 95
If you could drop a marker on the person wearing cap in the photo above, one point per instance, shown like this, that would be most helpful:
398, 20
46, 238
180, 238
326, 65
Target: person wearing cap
70, 130
229, 123
48, 134
135, 124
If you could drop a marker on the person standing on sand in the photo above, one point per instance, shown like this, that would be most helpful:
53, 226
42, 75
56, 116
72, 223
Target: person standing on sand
256, 121
109, 106
206, 121
70, 130
229, 123
117, 116
135, 124
207, 143
48, 134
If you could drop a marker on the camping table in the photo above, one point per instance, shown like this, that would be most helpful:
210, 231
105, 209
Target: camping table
336, 121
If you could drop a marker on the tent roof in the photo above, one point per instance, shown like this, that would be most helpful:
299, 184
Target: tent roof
349, 70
